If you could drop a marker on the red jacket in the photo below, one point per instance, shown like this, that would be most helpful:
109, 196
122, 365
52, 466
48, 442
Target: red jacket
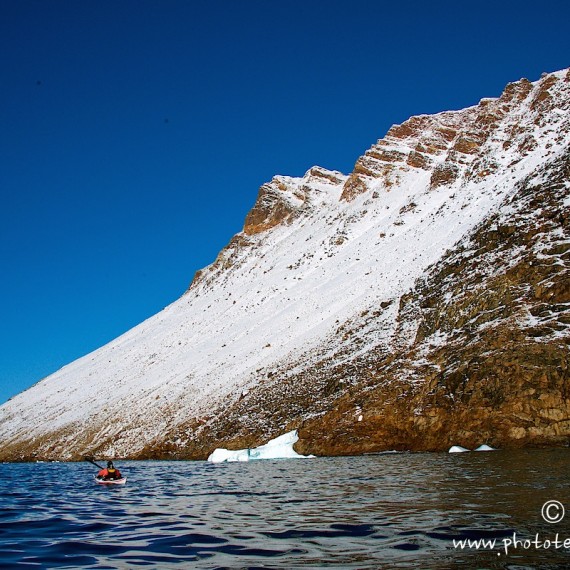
109, 474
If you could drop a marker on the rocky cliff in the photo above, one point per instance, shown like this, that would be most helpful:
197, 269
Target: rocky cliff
420, 301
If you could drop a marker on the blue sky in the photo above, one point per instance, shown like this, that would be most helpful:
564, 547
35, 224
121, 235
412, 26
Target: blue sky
134, 134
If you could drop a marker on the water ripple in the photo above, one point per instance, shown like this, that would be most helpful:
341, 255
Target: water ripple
376, 512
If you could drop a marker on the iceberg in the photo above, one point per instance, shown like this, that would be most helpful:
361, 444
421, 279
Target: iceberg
457, 449
485, 447
279, 448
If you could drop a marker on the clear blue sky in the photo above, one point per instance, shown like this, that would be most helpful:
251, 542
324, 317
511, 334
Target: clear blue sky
134, 134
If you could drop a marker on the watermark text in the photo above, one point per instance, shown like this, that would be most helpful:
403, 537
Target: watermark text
508, 544
552, 512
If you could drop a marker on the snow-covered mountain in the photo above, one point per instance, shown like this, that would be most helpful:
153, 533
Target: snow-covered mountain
423, 299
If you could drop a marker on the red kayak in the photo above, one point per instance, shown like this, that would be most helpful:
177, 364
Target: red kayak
120, 481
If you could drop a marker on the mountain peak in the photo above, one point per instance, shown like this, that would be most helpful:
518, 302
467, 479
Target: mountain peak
285, 197
461, 145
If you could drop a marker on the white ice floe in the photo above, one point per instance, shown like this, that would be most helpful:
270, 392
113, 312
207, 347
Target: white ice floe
279, 448
485, 447
457, 449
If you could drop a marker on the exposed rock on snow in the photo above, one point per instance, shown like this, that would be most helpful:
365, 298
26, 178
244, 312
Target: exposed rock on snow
429, 290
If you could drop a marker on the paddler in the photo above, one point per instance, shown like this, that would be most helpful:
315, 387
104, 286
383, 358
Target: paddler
110, 473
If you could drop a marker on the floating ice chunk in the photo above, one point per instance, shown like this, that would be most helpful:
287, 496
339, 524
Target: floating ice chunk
221, 455
457, 449
485, 447
279, 448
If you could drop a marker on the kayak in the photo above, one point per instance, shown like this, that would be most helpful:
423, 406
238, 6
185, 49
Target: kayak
120, 481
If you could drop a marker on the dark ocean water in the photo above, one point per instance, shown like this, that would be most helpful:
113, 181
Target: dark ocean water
378, 511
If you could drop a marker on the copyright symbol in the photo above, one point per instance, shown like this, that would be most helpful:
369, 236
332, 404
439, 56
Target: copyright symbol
552, 511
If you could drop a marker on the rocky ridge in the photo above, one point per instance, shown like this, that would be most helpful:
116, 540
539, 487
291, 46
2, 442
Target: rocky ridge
420, 301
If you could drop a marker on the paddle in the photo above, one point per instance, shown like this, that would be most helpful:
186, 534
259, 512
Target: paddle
93, 462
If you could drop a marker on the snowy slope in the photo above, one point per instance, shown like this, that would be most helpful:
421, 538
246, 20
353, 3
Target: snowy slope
320, 251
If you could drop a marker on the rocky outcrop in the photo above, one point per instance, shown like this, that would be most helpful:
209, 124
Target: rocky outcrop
452, 145
282, 199
275, 204
279, 202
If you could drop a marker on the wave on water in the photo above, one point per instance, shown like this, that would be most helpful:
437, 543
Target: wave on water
382, 511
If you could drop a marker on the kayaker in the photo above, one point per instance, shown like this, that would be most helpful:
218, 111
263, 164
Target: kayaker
109, 473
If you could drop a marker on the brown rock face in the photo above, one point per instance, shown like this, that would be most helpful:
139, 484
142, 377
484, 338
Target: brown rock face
452, 144
270, 209
490, 362
444, 174
282, 199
